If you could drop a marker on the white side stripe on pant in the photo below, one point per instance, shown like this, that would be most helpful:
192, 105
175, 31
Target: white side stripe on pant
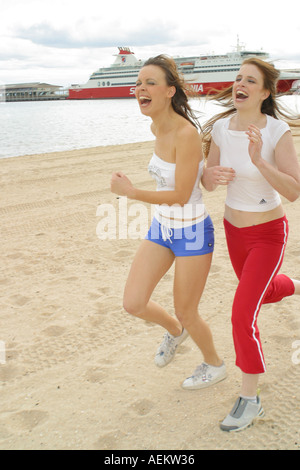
262, 295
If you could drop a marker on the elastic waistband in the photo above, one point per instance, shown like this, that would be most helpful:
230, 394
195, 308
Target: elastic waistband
178, 223
255, 228
199, 230
168, 231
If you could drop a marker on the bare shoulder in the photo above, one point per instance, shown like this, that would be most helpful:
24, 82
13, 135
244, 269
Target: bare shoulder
188, 141
188, 133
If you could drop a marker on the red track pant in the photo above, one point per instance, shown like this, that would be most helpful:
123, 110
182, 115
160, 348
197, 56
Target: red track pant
256, 254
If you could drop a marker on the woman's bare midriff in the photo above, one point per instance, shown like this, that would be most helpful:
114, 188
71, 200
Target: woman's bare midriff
242, 219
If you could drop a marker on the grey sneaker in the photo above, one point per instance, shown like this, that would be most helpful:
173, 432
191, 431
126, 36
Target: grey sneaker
167, 349
204, 376
242, 415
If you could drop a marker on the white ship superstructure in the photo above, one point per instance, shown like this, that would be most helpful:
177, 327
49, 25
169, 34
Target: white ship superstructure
205, 74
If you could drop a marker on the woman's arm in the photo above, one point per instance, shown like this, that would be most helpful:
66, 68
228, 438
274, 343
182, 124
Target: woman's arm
188, 147
214, 174
286, 177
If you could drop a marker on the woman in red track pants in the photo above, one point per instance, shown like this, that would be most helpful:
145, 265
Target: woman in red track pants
252, 152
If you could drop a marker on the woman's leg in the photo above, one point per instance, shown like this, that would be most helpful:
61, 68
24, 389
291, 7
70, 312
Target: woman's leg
249, 385
296, 286
258, 284
256, 254
190, 278
150, 264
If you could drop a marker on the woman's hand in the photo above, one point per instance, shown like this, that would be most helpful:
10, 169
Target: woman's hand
255, 144
120, 184
216, 175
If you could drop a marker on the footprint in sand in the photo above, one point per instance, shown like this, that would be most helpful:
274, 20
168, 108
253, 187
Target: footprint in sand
15, 255
8, 372
19, 300
27, 420
101, 291
142, 407
122, 254
54, 330
111, 440
215, 268
95, 375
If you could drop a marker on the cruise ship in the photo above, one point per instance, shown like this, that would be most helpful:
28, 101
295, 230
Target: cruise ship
205, 74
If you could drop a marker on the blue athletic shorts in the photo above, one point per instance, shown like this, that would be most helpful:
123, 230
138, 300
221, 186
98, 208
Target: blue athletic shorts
194, 240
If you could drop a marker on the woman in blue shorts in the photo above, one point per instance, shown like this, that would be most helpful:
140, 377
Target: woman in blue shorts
181, 231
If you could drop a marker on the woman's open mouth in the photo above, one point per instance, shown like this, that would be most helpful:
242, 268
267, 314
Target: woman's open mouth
241, 95
144, 101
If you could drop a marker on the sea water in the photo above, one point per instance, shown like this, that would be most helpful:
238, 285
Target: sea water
34, 127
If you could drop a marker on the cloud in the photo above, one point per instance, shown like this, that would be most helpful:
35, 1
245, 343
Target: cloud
81, 35
68, 39
44, 34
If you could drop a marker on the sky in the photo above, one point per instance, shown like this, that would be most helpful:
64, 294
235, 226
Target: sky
63, 41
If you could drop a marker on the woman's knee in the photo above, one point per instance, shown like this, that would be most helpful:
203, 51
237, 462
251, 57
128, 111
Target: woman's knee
242, 323
133, 305
186, 317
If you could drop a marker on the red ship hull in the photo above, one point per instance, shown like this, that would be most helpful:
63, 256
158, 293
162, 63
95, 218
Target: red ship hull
128, 91
101, 93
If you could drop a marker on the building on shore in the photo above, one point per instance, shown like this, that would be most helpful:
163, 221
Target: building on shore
32, 92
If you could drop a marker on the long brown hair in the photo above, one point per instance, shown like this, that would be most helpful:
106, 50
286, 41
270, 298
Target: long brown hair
173, 78
269, 106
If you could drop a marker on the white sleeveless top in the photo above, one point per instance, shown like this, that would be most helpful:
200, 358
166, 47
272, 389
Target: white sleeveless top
176, 216
249, 191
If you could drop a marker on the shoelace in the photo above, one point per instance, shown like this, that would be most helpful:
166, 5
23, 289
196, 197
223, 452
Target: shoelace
201, 370
167, 346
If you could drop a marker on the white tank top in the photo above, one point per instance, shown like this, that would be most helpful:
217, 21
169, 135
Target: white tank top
176, 216
249, 191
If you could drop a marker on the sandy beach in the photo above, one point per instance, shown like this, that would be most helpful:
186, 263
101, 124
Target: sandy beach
77, 372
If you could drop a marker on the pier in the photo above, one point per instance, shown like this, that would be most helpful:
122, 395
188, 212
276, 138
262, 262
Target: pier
32, 92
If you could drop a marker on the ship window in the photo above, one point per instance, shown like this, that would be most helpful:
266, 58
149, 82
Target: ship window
127, 84
103, 83
108, 83
99, 84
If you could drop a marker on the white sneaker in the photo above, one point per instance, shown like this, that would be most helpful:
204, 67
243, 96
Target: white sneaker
242, 415
204, 376
167, 349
